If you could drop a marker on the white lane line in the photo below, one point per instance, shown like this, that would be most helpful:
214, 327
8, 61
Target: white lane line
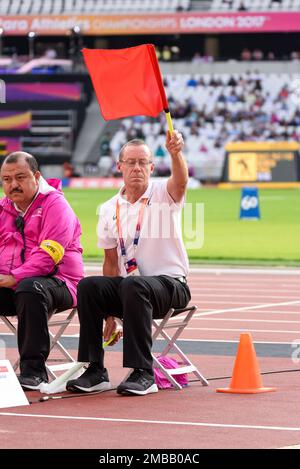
220, 329
246, 308
200, 298
243, 280
216, 287
246, 271
235, 284
277, 321
221, 270
225, 341
154, 422
250, 290
290, 447
245, 295
258, 311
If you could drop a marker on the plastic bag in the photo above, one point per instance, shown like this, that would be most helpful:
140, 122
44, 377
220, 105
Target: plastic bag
160, 379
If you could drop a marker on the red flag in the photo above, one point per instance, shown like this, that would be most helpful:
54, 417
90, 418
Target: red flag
127, 82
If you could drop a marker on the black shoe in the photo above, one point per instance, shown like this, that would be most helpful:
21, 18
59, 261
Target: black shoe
93, 379
32, 383
140, 382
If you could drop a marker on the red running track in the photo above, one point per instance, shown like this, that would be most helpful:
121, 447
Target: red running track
230, 301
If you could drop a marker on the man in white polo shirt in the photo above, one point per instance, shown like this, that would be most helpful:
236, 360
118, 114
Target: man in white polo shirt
144, 270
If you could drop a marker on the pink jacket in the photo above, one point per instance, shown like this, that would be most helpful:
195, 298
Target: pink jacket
49, 217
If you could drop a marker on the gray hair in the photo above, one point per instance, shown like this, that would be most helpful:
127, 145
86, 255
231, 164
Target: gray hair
18, 155
136, 142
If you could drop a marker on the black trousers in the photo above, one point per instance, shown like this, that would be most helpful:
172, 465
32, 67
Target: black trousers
33, 300
137, 300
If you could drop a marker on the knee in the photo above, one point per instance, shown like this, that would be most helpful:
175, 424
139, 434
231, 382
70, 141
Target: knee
84, 288
30, 292
29, 285
84, 285
88, 286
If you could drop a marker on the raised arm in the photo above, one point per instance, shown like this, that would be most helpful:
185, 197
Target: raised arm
178, 180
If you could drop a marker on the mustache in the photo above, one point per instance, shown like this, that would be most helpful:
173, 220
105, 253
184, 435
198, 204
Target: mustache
18, 191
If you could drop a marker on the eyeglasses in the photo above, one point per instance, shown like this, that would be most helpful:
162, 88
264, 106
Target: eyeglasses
20, 224
132, 163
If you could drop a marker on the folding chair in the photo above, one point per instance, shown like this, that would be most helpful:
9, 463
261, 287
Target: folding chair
178, 323
62, 324
160, 326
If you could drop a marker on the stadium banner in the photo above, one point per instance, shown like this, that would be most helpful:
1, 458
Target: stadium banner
112, 182
173, 23
261, 162
8, 145
15, 120
94, 183
43, 92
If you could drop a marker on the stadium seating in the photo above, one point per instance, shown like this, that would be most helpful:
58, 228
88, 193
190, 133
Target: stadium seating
57, 7
210, 110
213, 110
255, 5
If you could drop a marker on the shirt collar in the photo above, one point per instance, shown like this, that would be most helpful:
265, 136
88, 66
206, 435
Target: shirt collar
146, 194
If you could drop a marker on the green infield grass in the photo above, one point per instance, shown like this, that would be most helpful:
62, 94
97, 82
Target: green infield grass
274, 239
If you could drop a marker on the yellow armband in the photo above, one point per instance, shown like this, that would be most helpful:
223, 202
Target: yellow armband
54, 249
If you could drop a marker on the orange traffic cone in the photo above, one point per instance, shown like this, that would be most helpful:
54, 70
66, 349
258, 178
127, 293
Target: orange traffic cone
246, 377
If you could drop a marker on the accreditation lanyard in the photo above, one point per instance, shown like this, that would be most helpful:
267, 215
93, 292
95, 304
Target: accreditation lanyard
144, 202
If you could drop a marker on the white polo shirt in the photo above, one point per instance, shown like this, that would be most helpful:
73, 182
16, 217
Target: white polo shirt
160, 249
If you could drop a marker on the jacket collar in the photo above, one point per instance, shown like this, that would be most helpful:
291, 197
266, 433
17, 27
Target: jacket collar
44, 188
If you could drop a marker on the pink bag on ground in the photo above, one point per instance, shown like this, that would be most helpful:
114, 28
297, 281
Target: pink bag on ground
160, 379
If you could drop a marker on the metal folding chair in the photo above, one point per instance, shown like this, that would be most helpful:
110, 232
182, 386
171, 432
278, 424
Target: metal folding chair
160, 327
52, 364
176, 319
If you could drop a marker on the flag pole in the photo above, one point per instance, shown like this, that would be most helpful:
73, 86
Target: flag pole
156, 69
169, 121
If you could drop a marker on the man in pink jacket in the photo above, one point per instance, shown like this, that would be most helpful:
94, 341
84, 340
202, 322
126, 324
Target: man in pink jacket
40, 259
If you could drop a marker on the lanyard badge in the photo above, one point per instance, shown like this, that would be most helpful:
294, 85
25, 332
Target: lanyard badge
132, 267
131, 264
